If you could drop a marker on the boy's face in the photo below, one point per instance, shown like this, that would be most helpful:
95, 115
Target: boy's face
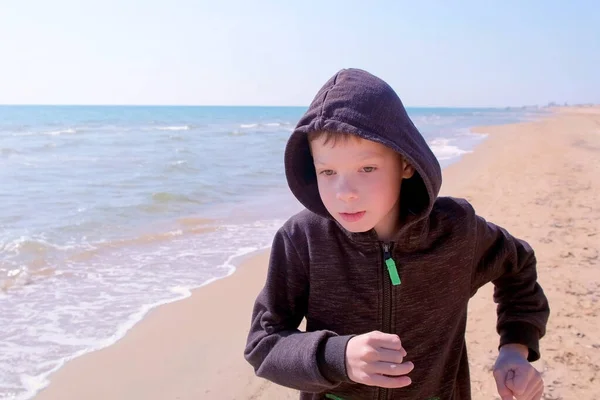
359, 183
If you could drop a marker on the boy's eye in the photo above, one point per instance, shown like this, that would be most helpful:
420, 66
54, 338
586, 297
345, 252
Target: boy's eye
327, 172
369, 169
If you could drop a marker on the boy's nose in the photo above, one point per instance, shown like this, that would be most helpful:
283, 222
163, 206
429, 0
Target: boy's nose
346, 194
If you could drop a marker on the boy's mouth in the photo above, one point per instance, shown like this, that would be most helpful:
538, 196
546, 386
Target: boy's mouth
352, 217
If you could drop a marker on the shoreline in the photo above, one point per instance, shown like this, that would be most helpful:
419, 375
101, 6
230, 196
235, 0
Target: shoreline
234, 262
244, 283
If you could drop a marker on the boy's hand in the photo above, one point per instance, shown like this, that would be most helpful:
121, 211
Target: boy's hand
515, 376
375, 359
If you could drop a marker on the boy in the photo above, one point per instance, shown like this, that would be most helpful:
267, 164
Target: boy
382, 268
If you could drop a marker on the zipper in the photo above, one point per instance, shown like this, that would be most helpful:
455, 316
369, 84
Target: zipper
394, 280
391, 265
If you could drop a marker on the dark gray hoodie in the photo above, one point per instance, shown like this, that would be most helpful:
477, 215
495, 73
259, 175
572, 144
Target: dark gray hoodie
340, 283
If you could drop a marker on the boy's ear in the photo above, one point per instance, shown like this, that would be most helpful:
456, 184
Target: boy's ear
407, 170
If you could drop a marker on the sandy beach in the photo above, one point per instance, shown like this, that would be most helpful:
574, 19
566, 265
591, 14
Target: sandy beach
540, 180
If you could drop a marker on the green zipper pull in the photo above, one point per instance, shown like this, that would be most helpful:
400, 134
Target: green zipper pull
391, 265
333, 397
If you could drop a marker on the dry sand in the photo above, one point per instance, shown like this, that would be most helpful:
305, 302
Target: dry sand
541, 180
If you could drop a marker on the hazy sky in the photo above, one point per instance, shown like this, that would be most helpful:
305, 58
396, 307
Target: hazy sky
468, 53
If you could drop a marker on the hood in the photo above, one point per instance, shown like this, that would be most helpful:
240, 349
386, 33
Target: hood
357, 102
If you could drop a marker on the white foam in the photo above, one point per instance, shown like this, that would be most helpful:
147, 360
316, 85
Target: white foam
60, 132
33, 384
16, 245
467, 132
174, 128
240, 253
443, 150
14, 272
266, 124
181, 290
78, 338
179, 162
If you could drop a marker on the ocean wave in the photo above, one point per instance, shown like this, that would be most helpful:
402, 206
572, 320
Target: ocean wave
79, 317
175, 128
423, 121
443, 150
184, 226
26, 133
24, 260
103, 246
68, 131
33, 384
30, 246
166, 197
61, 132
265, 124
19, 276
179, 162
179, 166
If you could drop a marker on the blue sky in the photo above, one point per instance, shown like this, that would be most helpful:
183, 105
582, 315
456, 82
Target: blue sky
468, 53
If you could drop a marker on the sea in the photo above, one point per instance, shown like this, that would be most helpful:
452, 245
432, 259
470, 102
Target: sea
109, 211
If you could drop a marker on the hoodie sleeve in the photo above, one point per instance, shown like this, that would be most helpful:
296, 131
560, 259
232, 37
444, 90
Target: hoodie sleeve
510, 264
278, 351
